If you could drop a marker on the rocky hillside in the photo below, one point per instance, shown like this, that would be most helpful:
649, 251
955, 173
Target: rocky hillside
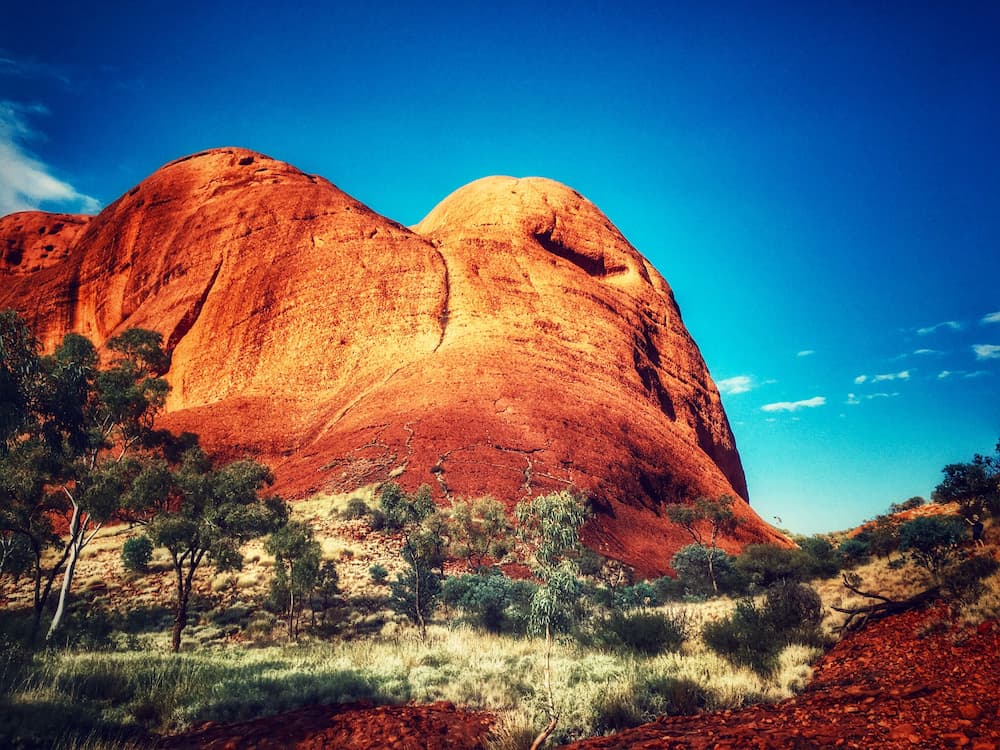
511, 343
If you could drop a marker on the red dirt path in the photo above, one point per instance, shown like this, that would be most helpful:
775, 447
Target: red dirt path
886, 687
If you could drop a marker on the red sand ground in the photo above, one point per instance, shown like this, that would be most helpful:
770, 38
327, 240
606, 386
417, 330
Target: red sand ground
886, 687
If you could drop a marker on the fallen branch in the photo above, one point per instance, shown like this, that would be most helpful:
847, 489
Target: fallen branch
882, 608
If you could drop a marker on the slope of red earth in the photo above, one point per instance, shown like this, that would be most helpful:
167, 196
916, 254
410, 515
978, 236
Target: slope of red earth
910, 681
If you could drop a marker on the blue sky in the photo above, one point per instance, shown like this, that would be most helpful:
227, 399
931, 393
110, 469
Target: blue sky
818, 182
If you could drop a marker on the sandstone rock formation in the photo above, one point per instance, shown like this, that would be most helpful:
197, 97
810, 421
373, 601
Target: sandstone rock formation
511, 343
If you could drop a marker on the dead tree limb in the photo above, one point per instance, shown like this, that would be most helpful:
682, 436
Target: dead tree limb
883, 606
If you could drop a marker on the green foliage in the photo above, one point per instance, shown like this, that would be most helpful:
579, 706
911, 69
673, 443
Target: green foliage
648, 698
491, 600
820, 558
648, 632
964, 579
853, 551
550, 526
717, 516
753, 635
416, 592
704, 571
136, 553
481, 532
974, 485
378, 573
399, 509
931, 541
765, 564
296, 571
910, 504
208, 515
355, 508
882, 536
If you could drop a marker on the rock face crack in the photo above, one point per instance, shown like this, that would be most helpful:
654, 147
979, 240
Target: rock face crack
191, 316
444, 312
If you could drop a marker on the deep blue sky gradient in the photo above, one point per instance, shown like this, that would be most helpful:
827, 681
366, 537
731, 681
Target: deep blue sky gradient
808, 177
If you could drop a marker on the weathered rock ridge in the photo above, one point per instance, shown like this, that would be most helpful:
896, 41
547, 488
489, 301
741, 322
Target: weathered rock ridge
511, 343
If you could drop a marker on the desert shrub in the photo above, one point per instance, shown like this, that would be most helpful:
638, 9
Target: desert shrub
668, 589
964, 579
378, 520
136, 553
484, 598
931, 541
819, 557
648, 632
695, 565
793, 609
745, 638
853, 551
764, 564
882, 536
754, 635
913, 502
642, 594
378, 573
355, 508
660, 695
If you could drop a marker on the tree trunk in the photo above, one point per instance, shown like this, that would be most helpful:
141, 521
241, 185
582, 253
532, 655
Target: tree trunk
711, 569
180, 621
75, 537
553, 715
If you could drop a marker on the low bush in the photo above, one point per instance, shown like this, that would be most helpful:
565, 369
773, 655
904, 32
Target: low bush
491, 601
931, 541
648, 632
355, 508
136, 553
754, 635
853, 551
964, 580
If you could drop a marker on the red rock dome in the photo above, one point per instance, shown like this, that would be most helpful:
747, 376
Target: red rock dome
511, 343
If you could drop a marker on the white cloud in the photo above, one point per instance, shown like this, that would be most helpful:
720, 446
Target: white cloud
25, 182
738, 384
808, 403
993, 317
860, 379
806, 353
853, 399
902, 375
926, 351
986, 351
954, 325
976, 374
945, 374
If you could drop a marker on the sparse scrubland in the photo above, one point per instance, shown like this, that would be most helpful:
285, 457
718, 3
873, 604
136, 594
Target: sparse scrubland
188, 597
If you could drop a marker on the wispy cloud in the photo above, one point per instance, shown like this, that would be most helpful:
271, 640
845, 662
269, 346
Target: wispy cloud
953, 325
25, 182
986, 351
993, 317
945, 374
809, 403
924, 352
853, 399
806, 353
735, 385
901, 375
